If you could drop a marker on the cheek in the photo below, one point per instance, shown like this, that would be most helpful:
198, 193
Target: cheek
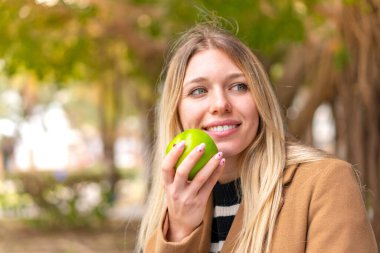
185, 115
190, 114
247, 106
252, 116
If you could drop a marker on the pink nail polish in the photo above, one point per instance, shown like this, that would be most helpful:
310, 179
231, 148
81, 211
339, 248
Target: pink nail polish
201, 147
222, 162
218, 155
180, 145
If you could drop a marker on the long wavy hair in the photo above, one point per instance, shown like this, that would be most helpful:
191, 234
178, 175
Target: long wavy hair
261, 164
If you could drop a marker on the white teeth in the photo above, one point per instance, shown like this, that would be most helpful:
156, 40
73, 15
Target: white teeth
221, 128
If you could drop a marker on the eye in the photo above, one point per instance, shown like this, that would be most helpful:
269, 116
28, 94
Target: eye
240, 87
198, 91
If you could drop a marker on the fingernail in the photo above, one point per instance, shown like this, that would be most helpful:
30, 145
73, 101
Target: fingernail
201, 147
218, 155
180, 145
222, 162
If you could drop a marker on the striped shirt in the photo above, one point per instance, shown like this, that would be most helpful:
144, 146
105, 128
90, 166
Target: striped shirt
226, 203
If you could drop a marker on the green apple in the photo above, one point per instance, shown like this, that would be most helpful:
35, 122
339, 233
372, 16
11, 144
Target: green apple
193, 137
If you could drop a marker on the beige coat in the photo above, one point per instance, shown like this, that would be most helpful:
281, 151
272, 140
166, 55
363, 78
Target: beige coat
322, 211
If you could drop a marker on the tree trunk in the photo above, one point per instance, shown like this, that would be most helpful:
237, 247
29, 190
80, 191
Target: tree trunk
109, 113
359, 95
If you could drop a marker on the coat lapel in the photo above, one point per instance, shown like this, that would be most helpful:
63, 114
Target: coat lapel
205, 243
234, 231
289, 174
237, 224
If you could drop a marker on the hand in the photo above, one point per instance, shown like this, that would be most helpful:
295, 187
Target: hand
187, 200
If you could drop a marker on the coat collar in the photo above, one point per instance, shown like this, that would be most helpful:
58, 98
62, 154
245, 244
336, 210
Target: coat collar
288, 174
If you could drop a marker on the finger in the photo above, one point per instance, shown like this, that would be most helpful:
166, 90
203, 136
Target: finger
169, 162
203, 177
182, 173
206, 189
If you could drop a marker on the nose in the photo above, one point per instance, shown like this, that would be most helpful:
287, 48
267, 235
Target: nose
220, 102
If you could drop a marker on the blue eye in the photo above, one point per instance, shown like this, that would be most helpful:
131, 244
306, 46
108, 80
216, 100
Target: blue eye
240, 87
198, 91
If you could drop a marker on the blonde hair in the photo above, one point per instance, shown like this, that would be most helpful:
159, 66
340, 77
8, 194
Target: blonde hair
261, 164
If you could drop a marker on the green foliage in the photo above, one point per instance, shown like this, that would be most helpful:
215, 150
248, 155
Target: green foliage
64, 42
267, 26
50, 41
341, 57
63, 200
12, 201
350, 2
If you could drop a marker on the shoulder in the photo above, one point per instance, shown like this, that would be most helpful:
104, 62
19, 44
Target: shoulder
322, 176
324, 197
325, 164
314, 170
318, 185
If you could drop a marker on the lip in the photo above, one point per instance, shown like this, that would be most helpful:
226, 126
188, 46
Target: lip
222, 134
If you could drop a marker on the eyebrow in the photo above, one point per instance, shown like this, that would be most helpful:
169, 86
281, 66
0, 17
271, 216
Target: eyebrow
202, 79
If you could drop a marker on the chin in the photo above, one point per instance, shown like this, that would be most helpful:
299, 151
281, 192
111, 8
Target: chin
229, 150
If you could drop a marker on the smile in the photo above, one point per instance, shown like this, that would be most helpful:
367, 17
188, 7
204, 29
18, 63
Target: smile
221, 128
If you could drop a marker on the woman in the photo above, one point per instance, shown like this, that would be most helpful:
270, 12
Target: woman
261, 192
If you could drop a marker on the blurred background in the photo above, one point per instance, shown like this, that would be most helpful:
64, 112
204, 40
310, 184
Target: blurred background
79, 80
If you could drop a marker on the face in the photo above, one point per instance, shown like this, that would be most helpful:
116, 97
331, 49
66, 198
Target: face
216, 98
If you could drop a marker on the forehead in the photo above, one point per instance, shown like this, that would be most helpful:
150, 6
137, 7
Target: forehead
210, 61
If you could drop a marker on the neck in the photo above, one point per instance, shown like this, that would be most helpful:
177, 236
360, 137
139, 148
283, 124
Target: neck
231, 170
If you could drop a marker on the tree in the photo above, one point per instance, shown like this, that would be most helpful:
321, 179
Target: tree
340, 67
66, 43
